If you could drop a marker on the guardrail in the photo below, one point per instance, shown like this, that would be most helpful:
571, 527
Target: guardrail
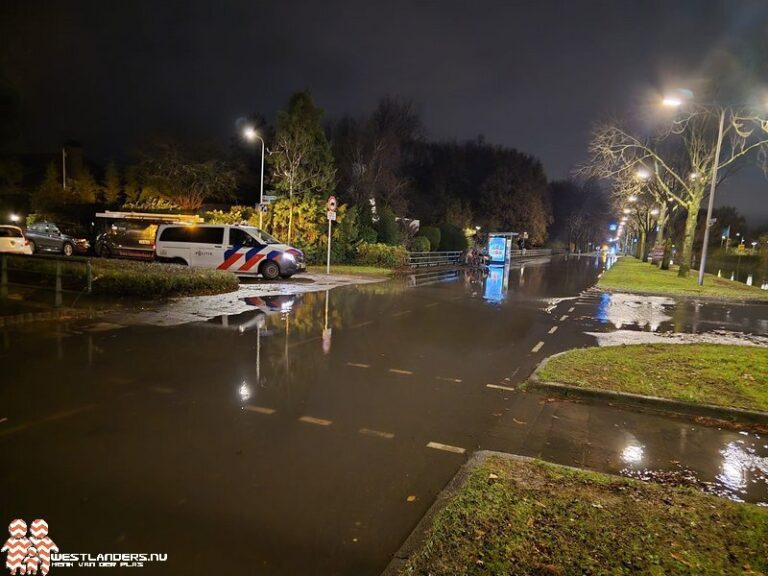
531, 253
46, 273
433, 259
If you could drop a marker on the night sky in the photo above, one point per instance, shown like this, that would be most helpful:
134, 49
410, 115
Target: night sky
531, 74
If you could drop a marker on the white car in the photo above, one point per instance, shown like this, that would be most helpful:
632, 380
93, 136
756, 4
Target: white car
12, 241
244, 250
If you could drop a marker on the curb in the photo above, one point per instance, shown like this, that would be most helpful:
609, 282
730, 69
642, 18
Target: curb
707, 299
739, 415
416, 538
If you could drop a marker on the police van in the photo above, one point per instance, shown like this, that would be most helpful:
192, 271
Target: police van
244, 250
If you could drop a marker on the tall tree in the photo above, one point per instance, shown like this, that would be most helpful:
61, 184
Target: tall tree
49, 194
111, 184
185, 180
301, 161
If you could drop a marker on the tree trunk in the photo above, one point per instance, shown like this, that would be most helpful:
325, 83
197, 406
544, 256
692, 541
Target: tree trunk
688, 238
641, 245
661, 224
290, 213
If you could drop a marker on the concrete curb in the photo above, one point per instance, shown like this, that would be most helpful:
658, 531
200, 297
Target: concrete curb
738, 415
416, 538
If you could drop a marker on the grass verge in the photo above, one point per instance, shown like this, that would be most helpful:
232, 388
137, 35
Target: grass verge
720, 374
125, 278
631, 275
352, 270
527, 517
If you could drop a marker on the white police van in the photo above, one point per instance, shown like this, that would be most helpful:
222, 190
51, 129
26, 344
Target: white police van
244, 250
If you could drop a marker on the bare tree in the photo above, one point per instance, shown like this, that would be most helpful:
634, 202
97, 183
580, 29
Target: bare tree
681, 160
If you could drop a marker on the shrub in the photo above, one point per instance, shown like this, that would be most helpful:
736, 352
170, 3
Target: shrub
381, 255
432, 233
368, 235
452, 238
420, 244
388, 229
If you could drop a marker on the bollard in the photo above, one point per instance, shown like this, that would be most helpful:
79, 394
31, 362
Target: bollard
3, 277
89, 275
57, 301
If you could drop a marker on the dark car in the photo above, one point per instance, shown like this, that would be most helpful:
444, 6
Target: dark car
46, 237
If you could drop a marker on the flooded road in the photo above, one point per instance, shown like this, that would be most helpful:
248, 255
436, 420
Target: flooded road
309, 434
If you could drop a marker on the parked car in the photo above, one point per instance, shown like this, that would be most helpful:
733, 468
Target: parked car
12, 240
244, 250
46, 237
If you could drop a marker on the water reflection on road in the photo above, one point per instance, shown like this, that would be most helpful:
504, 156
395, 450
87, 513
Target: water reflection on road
293, 436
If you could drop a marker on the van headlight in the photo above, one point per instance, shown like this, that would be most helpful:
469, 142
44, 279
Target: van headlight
289, 257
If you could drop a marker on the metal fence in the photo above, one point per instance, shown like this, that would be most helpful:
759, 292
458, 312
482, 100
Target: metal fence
532, 253
433, 259
42, 272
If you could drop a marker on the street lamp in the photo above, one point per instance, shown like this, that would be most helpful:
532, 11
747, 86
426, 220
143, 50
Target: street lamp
676, 102
15, 218
251, 135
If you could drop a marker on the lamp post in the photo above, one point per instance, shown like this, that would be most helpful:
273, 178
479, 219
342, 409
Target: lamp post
250, 134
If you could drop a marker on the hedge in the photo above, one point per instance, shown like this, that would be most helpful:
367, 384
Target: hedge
381, 255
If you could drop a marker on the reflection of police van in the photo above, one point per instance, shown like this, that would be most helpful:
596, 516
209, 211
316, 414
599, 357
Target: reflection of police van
243, 250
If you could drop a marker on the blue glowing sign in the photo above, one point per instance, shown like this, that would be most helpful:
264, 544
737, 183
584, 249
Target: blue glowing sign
612, 227
494, 284
497, 248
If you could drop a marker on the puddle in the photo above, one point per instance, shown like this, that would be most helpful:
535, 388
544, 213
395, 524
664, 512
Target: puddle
646, 312
623, 337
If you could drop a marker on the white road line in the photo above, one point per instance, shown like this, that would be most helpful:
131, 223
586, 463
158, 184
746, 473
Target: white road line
362, 324
444, 379
259, 409
318, 421
537, 347
162, 390
552, 330
563, 317
571, 309
396, 371
356, 365
500, 387
377, 433
446, 447
401, 313
430, 305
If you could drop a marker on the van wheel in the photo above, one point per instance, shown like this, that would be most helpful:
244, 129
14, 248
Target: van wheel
270, 270
179, 261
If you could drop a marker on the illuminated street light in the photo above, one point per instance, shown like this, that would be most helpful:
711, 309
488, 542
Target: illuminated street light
655, 212
672, 102
632, 198
251, 135
626, 210
643, 174
15, 218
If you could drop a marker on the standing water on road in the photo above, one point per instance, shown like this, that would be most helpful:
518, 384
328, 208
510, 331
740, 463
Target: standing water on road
313, 431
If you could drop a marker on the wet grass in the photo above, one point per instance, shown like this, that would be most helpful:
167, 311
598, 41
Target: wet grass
631, 275
725, 375
352, 270
527, 518
125, 278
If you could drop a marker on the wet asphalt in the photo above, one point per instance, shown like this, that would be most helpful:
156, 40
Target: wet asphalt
310, 434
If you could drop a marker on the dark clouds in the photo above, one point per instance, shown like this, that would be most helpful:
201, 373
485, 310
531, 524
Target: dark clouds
531, 74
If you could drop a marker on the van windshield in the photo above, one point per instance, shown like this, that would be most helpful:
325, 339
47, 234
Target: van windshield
264, 237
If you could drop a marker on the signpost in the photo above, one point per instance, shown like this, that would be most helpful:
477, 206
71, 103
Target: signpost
331, 206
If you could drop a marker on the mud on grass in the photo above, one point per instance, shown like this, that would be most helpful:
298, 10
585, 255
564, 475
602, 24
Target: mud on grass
525, 518
720, 374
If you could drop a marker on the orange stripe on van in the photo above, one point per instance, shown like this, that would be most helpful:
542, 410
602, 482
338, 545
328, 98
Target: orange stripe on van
251, 263
229, 261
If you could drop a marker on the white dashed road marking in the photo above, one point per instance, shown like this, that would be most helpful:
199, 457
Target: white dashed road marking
356, 365
260, 409
431, 304
552, 330
317, 421
500, 387
444, 379
571, 309
362, 324
401, 313
537, 347
377, 433
563, 317
396, 371
446, 447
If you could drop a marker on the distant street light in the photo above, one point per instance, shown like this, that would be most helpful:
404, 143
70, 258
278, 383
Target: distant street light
15, 218
251, 135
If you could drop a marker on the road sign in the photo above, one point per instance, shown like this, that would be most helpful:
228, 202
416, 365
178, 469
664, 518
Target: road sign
263, 208
268, 198
331, 204
331, 216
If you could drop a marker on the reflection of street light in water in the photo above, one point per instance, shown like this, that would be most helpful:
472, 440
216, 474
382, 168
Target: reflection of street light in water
632, 454
326, 330
244, 391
